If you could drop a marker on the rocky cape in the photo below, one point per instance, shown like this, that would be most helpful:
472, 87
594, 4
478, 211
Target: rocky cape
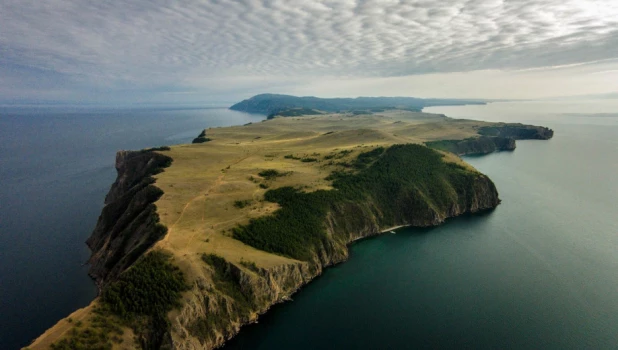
129, 223
273, 104
501, 137
208, 317
223, 295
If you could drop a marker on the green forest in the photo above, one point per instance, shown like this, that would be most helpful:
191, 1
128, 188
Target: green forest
401, 180
139, 299
150, 287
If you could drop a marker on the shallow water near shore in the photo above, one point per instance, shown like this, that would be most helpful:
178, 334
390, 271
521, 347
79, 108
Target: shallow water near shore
540, 271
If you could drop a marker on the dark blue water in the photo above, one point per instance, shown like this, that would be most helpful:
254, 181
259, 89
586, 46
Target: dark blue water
540, 271
55, 168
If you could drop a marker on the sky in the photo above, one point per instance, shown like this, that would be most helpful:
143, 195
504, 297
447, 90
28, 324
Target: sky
219, 51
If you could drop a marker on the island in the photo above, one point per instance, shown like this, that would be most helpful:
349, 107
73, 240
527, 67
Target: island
197, 240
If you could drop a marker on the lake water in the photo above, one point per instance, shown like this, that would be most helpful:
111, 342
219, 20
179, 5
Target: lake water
56, 166
540, 271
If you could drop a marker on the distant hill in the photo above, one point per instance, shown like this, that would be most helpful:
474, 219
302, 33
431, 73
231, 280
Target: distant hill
271, 104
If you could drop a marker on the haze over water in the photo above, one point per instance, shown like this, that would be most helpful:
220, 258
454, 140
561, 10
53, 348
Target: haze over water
540, 271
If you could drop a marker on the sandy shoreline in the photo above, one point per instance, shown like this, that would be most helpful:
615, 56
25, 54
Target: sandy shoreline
379, 233
393, 228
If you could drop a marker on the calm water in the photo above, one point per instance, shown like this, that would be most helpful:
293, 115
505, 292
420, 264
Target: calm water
55, 169
540, 271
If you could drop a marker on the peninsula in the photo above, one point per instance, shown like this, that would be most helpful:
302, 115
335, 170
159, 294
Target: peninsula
197, 240
285, 105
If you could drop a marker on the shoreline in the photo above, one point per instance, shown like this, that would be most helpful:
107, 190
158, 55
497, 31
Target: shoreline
289, 298
393, 228
382, 231
222, 138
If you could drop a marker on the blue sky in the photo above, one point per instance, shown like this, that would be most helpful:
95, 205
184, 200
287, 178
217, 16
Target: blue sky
155, 51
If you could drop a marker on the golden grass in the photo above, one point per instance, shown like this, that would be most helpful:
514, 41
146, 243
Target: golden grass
205, 179
82, 317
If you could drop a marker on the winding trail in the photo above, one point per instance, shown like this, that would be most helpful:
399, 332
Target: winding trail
218, 182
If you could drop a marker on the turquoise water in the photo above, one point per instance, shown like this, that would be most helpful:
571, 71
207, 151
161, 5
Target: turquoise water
540, 271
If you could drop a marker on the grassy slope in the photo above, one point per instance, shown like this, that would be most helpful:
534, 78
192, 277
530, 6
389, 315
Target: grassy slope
205, 180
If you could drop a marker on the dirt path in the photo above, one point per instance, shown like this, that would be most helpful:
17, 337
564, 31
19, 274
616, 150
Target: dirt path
216, 185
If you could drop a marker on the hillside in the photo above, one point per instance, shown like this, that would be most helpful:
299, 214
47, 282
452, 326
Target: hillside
273, 104
197, 240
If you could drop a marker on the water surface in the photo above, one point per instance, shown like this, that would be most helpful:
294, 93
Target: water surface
56, 166
540, 271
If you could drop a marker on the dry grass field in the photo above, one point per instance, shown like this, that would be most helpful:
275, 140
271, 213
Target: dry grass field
206, 180
212, 187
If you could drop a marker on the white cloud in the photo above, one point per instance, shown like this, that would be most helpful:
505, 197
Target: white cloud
153, 44
490, 84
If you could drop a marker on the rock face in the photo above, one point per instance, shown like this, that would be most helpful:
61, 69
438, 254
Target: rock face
477, 145
499, 137
213, 312
129, 223
518, 131
210, 316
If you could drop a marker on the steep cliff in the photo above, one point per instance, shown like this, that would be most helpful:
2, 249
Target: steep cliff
517, 131
475, 145
237, 241
128, 224
231, 295
498, 137
213, 312
223, 296
273, 103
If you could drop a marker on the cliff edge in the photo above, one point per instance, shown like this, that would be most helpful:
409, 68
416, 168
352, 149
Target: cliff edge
128, 224
498, 137
197, 240
312, 228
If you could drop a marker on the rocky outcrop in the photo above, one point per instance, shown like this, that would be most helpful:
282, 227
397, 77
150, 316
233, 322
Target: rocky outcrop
475, 145
210, 317
351, 221
494, 138
225, 296
128, 224
517, 131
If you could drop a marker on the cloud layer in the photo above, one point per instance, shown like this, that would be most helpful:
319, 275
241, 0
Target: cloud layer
175, 44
